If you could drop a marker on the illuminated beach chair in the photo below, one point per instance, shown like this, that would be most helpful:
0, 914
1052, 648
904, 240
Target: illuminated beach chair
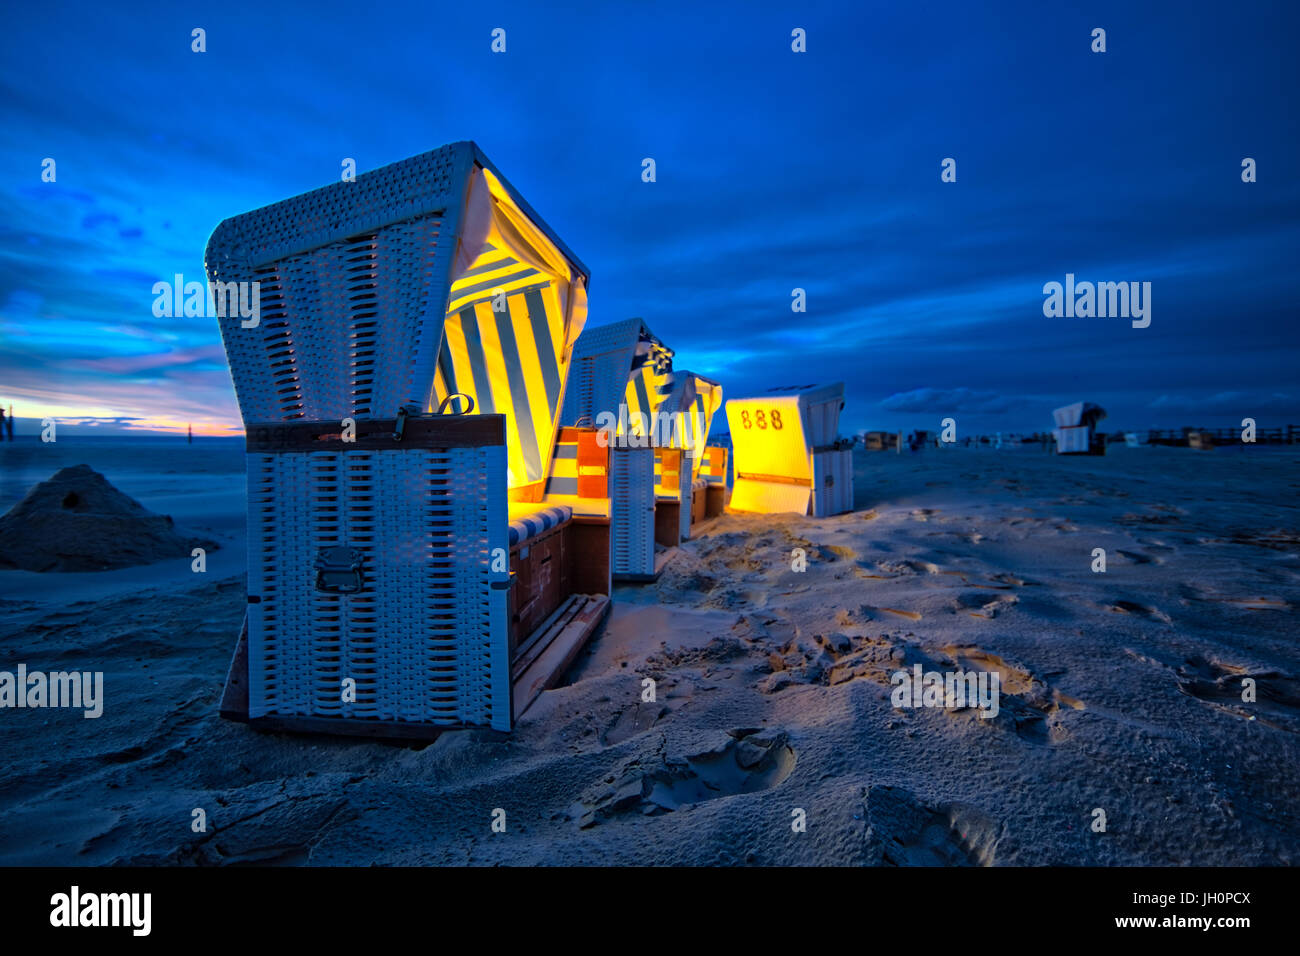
787, 456
621, 372
417, 577
687, 412
713, 475
1075, 431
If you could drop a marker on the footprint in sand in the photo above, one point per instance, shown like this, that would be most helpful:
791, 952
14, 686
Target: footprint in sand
922, 567
1005, 580
1277, 539
910, 615
1142, 610
992, 582
1219, 684
1248, 603
830, 552
631, 721
908, 566
873, 658
1137, 557
1259, 604
748, 761
1133, 519
1027, 704
1028, 701
1155, 544
979, 605
903, 831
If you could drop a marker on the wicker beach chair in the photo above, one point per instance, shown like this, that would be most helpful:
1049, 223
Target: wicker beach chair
1076, 429
690, 405
622, 371
401, 392
787, 456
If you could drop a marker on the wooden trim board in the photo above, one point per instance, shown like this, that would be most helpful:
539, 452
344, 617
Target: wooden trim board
549, 666
234, 698
438, 431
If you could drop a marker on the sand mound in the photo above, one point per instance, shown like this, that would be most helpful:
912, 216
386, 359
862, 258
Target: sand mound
77, 521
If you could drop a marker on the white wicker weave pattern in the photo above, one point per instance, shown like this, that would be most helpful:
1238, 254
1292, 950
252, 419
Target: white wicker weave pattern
418, 640
336, 265
684, 495
602, 363
316, 354
632, 524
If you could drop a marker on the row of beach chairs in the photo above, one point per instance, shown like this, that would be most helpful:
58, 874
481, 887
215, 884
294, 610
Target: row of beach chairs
439, 503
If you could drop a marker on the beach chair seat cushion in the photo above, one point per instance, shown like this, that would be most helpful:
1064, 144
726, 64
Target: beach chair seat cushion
528, 520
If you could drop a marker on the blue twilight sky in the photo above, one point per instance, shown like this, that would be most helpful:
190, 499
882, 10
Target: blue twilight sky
776, 170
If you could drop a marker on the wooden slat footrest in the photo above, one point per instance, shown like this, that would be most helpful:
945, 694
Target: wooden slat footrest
234, 698
568, 634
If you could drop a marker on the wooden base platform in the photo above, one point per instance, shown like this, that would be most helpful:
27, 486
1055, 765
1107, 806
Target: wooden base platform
668, 522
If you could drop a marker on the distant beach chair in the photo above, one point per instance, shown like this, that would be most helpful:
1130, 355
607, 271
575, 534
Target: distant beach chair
622, 371
1075, 431
688, 408
881, 441
713, 473
787, 456
439, 570
623, 376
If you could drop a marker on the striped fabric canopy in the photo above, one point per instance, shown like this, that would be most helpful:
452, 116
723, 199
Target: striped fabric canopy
621, 370
650, 381
692, 402
514, 311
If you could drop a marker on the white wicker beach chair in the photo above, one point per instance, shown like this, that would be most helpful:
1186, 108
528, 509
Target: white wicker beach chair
391, 584
1075, 431
787, 456
622, 371
689, 406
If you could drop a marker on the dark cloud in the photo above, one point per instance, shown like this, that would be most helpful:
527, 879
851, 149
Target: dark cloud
941, 401
1247, 403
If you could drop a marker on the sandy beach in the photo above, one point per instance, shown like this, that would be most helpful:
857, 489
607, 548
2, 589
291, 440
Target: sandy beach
1121, 691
